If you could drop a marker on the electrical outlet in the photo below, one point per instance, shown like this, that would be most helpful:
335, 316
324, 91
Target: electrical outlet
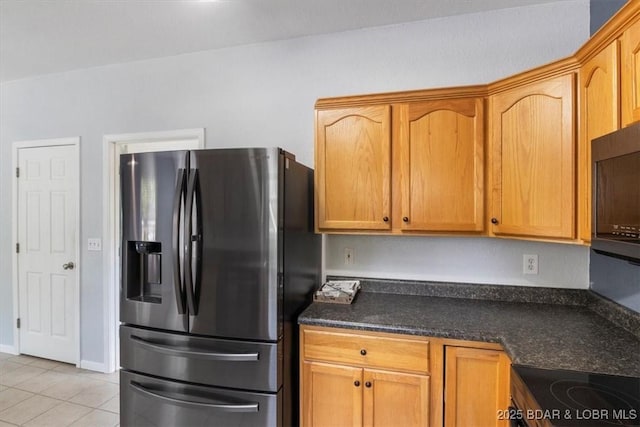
94, 244
348, 256
530, 264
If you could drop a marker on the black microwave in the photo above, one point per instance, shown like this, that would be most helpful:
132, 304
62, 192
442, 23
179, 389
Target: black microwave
616, 193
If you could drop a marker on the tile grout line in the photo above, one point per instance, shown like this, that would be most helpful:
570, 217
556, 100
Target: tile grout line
63, 369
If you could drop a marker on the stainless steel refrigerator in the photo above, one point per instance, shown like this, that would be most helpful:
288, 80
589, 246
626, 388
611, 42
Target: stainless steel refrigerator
218, 257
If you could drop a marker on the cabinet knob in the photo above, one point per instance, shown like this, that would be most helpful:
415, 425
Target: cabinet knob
385, 219
367, 384
405, 218
494, 220
356, 383
363, 352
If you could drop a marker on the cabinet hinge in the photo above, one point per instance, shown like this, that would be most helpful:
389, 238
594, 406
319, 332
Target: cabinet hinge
18, 323
17, 248
17, 172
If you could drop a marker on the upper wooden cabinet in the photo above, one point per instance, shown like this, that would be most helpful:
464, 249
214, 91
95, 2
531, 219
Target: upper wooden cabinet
353, 168
630, 74
414, 162
439, 164
609, 93
599, 115
532, 160
401, 167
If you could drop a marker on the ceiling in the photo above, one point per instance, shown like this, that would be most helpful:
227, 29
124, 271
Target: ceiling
49, 36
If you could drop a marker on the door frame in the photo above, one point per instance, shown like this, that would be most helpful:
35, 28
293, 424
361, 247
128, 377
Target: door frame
16, 147
111, 224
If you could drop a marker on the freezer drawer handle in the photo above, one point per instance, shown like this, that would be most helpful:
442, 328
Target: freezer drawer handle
228, 357
225, 407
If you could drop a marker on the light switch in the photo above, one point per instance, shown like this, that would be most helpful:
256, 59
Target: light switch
94, 244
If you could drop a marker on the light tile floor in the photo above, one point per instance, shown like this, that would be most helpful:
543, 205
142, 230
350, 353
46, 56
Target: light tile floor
40, 392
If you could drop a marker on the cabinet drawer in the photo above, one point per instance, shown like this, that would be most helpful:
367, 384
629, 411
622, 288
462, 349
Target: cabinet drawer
386, 352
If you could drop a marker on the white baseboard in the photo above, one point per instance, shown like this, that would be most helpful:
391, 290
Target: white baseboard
8, 349
93, 366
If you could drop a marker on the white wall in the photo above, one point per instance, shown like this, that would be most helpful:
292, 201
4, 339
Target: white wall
263, 95
458, 259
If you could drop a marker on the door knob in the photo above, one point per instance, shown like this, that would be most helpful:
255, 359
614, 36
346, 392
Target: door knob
68, 266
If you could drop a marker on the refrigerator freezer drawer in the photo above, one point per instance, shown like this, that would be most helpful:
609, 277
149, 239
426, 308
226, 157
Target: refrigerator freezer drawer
147, 401
209, 361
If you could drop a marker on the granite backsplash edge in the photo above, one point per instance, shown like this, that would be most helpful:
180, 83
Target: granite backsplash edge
621, 316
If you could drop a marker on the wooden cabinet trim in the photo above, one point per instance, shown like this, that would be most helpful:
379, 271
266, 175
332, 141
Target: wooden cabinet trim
610, 31
350, 331
592, 125
630, 74
472, 344
477, 91
548, 71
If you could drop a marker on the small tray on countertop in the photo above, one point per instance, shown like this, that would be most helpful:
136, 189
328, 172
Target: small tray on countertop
337, 291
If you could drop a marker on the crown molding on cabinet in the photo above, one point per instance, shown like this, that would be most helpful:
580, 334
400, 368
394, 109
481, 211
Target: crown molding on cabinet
610, 31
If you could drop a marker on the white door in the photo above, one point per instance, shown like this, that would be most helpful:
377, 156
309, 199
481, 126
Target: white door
47, 197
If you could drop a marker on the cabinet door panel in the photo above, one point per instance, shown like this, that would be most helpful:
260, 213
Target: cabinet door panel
599, 115
353, 168
394, 399
533, 160
630, 74
441, 165
476, 387
329, 395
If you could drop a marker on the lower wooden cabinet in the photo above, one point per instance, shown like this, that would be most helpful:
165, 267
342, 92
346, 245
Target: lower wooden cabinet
331, 395
476, 387
335, 395
395, 399
358, 378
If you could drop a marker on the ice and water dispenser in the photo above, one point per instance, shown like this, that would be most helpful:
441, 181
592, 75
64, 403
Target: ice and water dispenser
143, 277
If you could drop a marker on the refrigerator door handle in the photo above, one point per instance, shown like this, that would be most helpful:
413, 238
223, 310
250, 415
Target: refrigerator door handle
209, 355
177, 209
224, 407
190, 239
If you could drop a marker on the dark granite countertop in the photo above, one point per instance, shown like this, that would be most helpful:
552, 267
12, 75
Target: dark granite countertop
541, 335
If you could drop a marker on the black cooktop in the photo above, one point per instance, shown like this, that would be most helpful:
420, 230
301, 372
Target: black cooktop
572, 398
